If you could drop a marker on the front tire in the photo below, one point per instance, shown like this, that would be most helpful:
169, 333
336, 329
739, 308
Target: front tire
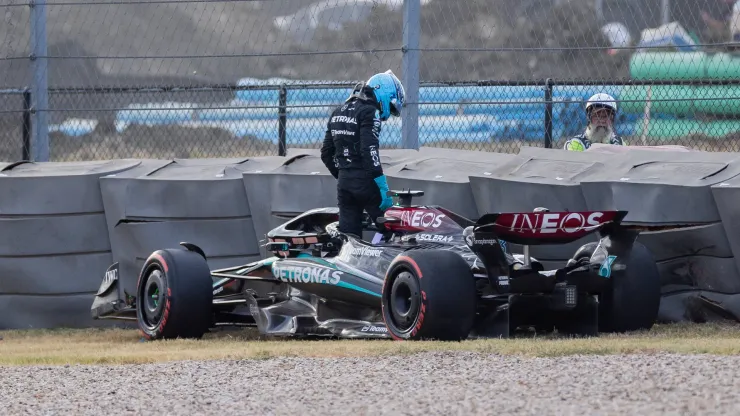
429, 294
174, 295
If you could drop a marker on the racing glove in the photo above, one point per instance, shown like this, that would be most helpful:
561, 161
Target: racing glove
574, 145
382, 183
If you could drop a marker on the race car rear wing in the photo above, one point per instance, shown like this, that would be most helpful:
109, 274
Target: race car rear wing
544, 227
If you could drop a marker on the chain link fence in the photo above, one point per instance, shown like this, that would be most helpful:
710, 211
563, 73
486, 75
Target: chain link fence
230, 78
15, 125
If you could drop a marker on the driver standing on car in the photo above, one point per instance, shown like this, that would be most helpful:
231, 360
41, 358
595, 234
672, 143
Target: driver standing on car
601, 110
350, 150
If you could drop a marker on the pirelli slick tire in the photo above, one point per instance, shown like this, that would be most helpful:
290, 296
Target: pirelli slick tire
429, 294
632, 301
174, 295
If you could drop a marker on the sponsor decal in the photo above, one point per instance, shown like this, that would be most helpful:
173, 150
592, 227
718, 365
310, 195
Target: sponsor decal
421, 218
376, 124
469, 239
219, 290
110, 276
486, 241
374, 156
549, 223
503, 281
365, 252
342, 132
372, 328
344, 119
307, 274
434, 237
254, 310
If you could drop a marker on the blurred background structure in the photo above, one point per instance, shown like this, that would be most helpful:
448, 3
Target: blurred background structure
105, 79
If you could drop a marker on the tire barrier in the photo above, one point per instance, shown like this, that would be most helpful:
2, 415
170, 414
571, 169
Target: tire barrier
301, 182
539, 179
444, 177
162, 203
54, 241
67, 222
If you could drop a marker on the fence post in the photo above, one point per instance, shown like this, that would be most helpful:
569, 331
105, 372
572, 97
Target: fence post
665, 12
282, 120
548, 113
410, 75
26, 126
40, 97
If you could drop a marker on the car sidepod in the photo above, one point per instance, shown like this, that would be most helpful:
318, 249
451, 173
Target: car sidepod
322, 298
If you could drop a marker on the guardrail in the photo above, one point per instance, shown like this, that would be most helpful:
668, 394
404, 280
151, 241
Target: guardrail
68, 221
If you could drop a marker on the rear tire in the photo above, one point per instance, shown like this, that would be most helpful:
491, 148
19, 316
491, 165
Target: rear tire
174, 295
429, 294
632, 301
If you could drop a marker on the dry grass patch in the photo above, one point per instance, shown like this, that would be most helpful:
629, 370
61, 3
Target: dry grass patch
119, 346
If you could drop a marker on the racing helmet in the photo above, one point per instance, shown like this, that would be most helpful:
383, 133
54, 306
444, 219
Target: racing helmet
599, 101
389, 92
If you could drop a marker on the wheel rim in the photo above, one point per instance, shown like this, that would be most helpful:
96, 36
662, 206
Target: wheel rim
151, 298
404, 301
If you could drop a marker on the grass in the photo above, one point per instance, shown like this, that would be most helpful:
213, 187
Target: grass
123, 346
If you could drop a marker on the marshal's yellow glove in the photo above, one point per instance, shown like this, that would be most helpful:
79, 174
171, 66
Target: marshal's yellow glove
574, 146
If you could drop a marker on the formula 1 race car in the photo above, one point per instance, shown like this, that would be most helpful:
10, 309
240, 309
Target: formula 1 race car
429, 274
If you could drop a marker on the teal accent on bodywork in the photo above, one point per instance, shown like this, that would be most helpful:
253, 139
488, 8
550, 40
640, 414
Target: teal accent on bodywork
606, 267
262, 263
357, 288
318, 260
334, 266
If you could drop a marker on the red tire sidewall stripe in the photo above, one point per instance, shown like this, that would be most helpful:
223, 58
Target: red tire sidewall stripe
412, 262
424, 305
161, 260
166, 315
160, 328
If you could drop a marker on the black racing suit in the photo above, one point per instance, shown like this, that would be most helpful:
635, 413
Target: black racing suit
350, 152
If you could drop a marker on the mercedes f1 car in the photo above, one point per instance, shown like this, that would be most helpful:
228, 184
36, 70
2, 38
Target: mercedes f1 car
428, 274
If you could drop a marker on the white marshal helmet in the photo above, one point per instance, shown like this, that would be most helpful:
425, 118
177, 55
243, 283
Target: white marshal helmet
601, 100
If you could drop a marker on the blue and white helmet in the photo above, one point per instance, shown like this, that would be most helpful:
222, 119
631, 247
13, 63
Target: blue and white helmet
389, 92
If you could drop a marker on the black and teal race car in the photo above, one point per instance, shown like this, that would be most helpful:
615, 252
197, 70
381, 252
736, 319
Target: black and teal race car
429, 274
